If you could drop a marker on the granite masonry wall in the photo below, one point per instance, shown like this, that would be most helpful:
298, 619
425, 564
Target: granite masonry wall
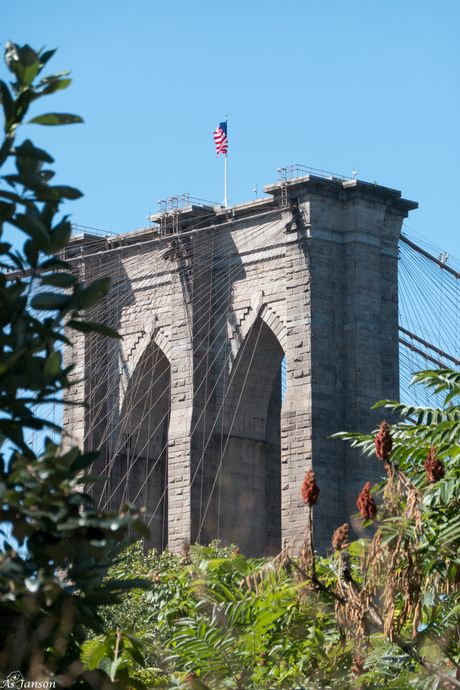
187, 410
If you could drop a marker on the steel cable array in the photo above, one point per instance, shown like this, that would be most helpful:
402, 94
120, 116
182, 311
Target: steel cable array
256, 240
428, 309
428, 317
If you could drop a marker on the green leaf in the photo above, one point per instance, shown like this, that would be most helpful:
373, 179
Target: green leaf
387, 538
68, 192
23, 62
54, 85
52, 366
52, 77
109, 666
60, 235
43, 58
141, 529
34, 228
12, 196
91, 327
8, 359
132, 583
31, 252
137, 656
50, 301
101, 598
84, 461
29, 158
34, 182
7, 102
56, 119
93, 293
63, 280
6, 211
53, 263
13, 431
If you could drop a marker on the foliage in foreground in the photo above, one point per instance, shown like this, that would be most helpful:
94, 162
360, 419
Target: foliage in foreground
51, 594
377, 613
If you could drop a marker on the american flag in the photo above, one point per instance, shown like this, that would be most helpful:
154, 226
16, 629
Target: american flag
220, 137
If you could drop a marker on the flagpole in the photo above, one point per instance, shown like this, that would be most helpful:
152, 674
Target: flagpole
226, 200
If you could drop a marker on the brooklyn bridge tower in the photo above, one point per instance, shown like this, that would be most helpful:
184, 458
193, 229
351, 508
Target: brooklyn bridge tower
250, 335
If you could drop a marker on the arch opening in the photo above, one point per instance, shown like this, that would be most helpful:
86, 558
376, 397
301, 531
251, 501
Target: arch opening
249, 501
140, 469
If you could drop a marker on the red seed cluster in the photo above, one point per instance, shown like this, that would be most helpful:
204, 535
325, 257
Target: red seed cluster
435, 469
383, 442
190, 676
236, 551
358, 666
366, 503
310, 489
340, 538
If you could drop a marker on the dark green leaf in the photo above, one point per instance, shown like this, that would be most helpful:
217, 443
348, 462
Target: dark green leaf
132, 583
29, 158
31, 252
52, 366
56, 119
22, 61
101, 598
8, 359
43, 58
46, 175
6, 211
53, 263
84, 461
7, 102
141, 529
91, 327
56, 85
63, 280
49, 301
137, 656
34, 182
68, 192
13, 431
52, 77
93, 293
33, 227
12, 196
60, 235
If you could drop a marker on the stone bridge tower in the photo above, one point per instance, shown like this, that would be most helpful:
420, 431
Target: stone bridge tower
215, 307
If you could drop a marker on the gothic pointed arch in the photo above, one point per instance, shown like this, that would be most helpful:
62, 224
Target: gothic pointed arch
248, 445
257, 309
139, 473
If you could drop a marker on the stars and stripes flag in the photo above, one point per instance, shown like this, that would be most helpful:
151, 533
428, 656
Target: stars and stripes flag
220, 137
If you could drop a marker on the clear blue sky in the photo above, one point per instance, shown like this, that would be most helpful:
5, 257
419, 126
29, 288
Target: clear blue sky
330, 85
